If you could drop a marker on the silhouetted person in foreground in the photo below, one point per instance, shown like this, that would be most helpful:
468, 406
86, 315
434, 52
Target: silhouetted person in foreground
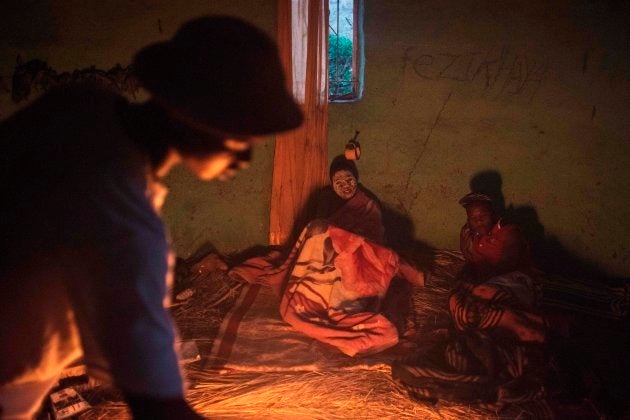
85, 259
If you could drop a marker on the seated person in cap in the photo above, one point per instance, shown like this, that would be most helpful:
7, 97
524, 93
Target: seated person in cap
334, 280
85, 261
494, 351
490, 246
498, 290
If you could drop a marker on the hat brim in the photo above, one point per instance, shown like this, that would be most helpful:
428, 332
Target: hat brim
261, 110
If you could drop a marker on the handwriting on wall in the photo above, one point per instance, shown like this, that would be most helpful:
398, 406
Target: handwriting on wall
499, 71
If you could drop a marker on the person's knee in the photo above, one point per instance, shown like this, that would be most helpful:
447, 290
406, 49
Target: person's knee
530, 335
459, 311
453, 302
484, 291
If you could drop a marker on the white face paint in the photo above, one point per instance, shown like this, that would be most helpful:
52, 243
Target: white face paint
345, 184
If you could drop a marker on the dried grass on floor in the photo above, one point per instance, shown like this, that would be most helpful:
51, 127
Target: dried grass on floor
200, 316
107, 403
313, 395
431, 302
107, 410
337, 395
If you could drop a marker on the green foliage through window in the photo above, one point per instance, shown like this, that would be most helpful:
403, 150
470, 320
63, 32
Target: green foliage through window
345, 37
339, 66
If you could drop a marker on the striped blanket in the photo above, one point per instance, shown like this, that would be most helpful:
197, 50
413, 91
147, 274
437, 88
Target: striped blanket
335, 289
331, 286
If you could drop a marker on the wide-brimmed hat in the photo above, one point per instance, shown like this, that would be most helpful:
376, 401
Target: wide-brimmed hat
223, 73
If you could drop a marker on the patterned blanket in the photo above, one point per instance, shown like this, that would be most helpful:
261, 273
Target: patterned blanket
335, 290
332, 286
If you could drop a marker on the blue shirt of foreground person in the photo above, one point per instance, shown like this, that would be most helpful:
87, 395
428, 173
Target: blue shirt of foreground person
85, 260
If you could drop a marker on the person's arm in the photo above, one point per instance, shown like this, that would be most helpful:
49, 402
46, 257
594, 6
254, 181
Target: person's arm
120, 303
370, 224
501, 249
466, 242
512, 249
409, 273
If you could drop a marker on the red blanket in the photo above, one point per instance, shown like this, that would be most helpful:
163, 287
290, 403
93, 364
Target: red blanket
331, 286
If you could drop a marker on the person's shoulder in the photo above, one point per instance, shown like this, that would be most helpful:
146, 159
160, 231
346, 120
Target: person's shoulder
506, 225
369, 195
67, 107
508, 230
81, 90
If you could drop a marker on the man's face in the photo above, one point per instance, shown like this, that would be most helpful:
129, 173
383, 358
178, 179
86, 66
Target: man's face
345, 184
222, 164
480, 218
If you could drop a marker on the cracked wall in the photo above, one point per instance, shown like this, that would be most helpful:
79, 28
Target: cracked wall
528, 98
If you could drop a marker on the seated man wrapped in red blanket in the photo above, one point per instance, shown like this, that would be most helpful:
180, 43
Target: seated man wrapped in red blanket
336, 276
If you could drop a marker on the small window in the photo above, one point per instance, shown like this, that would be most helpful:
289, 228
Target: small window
345, 50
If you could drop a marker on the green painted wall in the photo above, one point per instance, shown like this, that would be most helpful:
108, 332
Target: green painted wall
535, 92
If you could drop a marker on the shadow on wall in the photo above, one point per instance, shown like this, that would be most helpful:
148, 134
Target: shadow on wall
548, 252
399, 233
400, 236
592, 353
